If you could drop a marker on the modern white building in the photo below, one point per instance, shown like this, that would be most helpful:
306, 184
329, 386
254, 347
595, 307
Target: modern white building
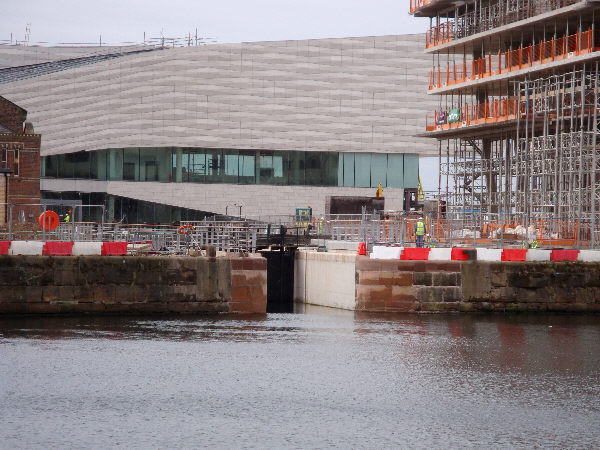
263, 127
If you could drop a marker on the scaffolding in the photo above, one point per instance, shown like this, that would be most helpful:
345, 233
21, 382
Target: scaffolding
548, 168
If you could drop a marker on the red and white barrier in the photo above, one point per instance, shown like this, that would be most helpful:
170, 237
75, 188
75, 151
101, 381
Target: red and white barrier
483, 254
62, 248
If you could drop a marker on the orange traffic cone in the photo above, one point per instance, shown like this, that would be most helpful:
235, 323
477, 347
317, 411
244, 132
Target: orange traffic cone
362, 249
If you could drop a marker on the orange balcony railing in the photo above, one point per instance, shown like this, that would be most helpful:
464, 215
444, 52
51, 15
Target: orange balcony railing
499, 110
492, 16
504, 62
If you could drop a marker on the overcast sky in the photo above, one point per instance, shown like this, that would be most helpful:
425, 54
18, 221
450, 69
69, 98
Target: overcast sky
118, 21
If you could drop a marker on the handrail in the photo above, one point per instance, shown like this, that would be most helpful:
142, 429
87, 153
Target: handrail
503, 62
487, 18
498, 110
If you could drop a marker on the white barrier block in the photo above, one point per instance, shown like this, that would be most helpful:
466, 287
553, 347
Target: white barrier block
26, 248
489, 254
588, 255
342, 245
534, 254
440, 254
87, 248
382, 252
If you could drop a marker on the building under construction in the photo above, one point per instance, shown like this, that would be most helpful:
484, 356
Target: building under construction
517, 118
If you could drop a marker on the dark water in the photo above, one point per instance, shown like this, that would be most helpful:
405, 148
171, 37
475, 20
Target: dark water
322, 378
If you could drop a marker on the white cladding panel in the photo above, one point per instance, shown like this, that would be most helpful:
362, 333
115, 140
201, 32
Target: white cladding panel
364, 94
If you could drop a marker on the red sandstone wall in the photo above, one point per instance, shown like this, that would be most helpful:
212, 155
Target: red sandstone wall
131, 285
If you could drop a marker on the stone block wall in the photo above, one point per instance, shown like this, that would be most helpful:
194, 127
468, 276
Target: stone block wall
407, 286
531, 286
131, 285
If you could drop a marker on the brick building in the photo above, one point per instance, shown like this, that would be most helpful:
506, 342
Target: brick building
19, 162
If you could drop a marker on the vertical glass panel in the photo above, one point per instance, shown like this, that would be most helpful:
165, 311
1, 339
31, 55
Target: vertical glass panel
246, 167
177, 165
348, 169
81, 164
115, 164
98, 165
362, 169
313, 169
43, 166
279, 161
197, 166
148, 164
214, 166
296, 168
231, 166
411, 171
65, 167
163, 163
51, 166
265, 168
330, 168
131, 164
395, 170
378, 169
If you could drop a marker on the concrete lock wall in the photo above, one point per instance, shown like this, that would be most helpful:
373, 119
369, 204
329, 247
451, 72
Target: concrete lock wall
325, 279
128, 284
393, 285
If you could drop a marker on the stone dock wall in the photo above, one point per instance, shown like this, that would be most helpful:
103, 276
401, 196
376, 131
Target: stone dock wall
393, 285
132, 285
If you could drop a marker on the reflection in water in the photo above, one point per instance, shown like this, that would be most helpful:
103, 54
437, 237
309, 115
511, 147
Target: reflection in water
318, 378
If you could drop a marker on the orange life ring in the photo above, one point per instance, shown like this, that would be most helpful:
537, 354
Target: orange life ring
48, 220
185, 229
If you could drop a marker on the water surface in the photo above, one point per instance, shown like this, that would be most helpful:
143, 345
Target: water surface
319, 378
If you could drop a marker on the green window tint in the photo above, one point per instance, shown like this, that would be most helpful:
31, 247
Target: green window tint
296, 168
131, 164
278, 164
214, 166
197, 166
362, 170
115, 164
348, 169
149, 164
313, 169
231, 166
164, 156
246, 167
395, 171
98, 165
330, 168
51, 164
65, 167
411, 171
378, 169
177, 165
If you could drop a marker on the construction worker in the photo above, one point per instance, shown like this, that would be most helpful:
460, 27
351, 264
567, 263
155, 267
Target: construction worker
420, 232
68, 217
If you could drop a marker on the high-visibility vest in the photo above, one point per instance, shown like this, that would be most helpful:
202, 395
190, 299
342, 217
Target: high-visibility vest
420, 228
67, 218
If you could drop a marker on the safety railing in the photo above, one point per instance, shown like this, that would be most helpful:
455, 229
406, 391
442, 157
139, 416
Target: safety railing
487, 18
505, 62
498, 110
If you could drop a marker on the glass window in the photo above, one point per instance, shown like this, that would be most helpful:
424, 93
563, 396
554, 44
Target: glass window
296, 168
81, 164
313, 171
177, 165
51, 166
378, 169
231, 166
98, 165
164, 156
246, 167
270, 168
214, 166
330, 168
411, 171
197, 166
348, 169
131, 164
362, 169
395, 171
65, 167
115, 164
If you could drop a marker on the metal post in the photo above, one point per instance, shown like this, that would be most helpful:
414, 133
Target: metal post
10, 216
